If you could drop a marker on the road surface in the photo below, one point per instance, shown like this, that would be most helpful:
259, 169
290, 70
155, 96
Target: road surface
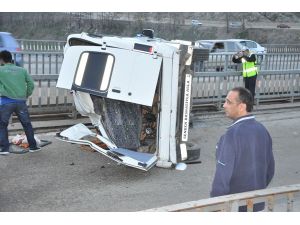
63, 177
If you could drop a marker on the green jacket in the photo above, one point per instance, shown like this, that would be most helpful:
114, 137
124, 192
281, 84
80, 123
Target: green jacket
15, 82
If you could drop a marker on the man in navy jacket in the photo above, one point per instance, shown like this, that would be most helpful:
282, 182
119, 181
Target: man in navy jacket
245, 160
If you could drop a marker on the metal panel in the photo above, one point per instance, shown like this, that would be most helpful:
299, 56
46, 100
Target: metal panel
134, 76
79, 134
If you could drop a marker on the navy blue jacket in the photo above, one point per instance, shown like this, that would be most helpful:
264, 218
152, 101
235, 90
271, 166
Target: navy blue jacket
245, 160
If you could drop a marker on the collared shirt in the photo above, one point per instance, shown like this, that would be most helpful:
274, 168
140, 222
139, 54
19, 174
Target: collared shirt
247, 117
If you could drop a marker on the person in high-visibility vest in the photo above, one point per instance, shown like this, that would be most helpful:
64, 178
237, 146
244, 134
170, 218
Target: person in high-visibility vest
248, 60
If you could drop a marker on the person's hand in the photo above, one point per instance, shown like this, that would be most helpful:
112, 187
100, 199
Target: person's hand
238, 55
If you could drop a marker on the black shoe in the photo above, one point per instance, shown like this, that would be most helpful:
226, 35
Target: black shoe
4, 152
36, 149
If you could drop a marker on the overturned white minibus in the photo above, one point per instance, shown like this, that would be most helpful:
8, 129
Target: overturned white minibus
136, 92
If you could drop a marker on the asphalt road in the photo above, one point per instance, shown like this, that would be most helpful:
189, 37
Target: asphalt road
63, 177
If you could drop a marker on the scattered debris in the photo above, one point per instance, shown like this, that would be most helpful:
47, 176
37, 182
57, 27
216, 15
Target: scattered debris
180, 166
20, 144
95, 141
21, 140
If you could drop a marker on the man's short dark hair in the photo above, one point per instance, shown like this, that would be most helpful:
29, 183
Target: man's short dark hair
245, 97
6, 56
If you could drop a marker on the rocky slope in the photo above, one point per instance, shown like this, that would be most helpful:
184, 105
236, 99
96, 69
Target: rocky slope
167, 25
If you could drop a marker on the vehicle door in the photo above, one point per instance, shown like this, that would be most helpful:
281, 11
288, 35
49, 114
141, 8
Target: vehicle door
122, 74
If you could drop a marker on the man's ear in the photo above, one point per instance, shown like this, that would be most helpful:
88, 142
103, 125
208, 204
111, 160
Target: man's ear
243, 107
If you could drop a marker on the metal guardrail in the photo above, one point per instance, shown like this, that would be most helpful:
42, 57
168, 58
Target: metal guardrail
222, 62
47, 99
50, 62
279, 78
230, 203
42, 45
37, 63
212, 87
282, 48
208, 88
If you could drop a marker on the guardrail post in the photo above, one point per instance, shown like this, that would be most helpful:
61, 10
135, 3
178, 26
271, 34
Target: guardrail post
220, 89
270, 202
290, 201
257, 96
266, 62
231, 206
226, 63
74, 113
292, 88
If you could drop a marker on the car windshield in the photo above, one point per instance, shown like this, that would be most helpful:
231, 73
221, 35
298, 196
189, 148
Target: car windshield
205, 44
233, 47
249, 44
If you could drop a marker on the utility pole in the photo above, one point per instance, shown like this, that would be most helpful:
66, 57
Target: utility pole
227, 22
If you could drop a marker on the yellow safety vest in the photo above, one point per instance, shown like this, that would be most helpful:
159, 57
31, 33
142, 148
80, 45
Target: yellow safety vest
249, 68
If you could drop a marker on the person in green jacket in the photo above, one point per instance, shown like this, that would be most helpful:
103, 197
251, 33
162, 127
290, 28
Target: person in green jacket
15, 87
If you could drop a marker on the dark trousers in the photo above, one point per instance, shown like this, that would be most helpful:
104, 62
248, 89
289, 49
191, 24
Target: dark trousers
250, 83
21, 110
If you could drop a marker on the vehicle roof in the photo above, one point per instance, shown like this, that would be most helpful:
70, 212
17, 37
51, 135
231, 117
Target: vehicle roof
1, 32
239, 39
159, 45
215, 40
8, 40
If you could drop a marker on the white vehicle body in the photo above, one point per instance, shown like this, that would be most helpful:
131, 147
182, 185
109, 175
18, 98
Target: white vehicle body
236, 24
132, 71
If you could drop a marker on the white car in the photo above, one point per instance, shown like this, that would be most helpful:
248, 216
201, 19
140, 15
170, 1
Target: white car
219, 48
235, 24
232, 45
196, 22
